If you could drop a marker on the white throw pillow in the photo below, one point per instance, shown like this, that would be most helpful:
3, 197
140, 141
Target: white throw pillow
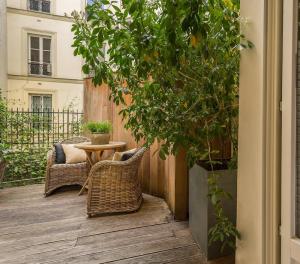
73, 155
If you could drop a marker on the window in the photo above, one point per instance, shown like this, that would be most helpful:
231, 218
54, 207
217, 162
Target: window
39, 5
41, 107
39, 55
41, 102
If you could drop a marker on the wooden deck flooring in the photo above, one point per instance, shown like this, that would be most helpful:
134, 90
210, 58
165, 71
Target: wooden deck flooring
34, 229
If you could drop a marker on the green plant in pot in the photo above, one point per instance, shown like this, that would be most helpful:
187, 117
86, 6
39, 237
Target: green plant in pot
180, 61
100, 132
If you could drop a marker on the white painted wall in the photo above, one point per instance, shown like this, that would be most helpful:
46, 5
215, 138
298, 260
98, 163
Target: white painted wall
67, 6
3, 49
58, 7
64, 95
251, 159
65, 64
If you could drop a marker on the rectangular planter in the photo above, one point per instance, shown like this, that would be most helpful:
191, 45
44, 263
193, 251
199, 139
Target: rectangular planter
201, 213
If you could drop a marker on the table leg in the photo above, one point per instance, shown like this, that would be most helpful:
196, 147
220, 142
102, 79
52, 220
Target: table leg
99, 155
89, 157
83, 187
89, 160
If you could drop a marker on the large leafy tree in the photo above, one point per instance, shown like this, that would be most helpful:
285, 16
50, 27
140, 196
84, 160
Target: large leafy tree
178, 60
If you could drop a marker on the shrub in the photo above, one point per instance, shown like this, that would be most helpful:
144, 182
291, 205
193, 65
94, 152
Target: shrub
25, 138
25, 165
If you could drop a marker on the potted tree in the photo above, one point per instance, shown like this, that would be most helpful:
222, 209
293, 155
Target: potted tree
99, 132
179, 63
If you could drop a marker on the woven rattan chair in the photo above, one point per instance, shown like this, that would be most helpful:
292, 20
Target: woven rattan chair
58, 175
114, 186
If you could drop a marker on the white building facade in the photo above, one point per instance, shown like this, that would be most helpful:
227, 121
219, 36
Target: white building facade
42, 71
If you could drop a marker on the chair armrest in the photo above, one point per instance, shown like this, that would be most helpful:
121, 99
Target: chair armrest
110, 163
50, 158
106, 163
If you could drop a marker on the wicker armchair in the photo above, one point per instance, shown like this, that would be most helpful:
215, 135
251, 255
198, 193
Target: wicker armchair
114, 186
58, 175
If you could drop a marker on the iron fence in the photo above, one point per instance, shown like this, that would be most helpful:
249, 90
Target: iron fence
28, 135
40, 127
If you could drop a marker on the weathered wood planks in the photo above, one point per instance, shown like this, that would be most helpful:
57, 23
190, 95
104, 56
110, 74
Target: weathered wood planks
34, 229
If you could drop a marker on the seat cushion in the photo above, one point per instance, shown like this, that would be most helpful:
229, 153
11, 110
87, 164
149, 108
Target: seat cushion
60, 157
73, 155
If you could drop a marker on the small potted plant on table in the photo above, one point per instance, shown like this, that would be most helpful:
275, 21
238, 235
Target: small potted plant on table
100, 132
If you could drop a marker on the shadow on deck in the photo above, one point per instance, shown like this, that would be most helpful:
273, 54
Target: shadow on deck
34, 229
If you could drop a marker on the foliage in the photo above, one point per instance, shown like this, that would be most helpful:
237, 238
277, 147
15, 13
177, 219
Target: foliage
25, 138
178, 61
24, 165
3, 110
99, 127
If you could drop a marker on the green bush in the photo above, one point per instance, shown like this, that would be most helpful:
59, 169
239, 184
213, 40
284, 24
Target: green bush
99, 127
25, 139
25, 165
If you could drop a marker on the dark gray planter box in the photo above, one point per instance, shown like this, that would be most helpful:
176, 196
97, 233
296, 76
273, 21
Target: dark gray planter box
201, 214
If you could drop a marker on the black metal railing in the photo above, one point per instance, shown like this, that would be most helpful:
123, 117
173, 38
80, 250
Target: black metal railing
39, 5
40, 127
44, 69
28, 135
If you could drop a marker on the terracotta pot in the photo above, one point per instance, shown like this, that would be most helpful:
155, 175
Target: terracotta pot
100, 139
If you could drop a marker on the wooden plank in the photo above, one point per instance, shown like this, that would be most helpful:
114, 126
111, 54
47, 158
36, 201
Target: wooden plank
191, 260
70, 237
179, 255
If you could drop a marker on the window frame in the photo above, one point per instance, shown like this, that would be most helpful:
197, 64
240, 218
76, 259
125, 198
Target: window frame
42, 95
41, 54
40, 4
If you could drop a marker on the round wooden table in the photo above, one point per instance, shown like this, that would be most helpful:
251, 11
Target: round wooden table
98, 151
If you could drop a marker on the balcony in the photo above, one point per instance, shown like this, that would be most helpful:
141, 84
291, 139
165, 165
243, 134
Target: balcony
41, 69
39, 5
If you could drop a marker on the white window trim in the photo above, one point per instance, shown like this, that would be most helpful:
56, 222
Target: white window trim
30, 91
25, 48
290, 245
41, 55
41, 95
27, 3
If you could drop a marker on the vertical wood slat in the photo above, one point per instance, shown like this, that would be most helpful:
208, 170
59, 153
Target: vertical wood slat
298, 132
167, 179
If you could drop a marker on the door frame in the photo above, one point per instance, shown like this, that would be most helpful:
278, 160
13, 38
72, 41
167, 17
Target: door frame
288, 244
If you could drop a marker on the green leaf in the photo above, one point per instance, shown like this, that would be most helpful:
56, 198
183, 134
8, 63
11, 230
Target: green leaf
86, 69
